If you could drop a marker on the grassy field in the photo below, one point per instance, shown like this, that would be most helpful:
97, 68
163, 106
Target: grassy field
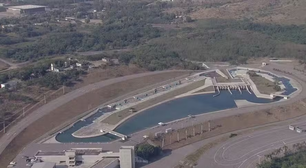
77, 107
117, 117
263, 85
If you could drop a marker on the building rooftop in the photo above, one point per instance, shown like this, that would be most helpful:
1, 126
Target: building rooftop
50, 153
26, 7
43, 165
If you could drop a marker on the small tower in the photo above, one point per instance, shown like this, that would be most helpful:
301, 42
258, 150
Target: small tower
52, 67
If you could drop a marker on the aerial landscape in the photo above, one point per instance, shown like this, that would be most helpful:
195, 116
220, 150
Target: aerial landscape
153, 83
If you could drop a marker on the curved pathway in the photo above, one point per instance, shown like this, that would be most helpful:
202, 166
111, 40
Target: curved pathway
247, 151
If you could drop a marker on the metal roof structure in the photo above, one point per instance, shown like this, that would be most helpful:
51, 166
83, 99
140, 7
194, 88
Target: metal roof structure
26, 7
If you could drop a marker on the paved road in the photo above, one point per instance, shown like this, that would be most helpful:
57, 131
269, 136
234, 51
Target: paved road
40, 112
224, 151
246, 151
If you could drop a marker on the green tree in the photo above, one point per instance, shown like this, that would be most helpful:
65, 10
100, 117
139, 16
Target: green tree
87, 20
147, 151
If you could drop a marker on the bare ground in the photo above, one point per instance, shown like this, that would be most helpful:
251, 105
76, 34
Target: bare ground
3, 66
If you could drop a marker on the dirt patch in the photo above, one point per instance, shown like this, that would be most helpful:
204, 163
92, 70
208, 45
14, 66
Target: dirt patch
77, 107
3, 66
99, 74
117, 117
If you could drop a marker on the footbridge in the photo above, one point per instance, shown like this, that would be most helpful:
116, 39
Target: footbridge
122, 136
98, 129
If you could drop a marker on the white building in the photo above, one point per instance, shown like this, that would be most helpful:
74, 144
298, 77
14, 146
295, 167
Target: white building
53, 69
78, 64
3, 85
127, 157
26, 9
90, 156
106, 60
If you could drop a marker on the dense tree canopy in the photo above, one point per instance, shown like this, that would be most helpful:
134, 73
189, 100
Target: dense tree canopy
147, 151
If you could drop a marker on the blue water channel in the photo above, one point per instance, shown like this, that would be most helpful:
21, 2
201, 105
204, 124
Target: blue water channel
169, 111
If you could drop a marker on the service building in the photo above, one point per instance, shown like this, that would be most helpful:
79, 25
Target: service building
26, 9
125, 158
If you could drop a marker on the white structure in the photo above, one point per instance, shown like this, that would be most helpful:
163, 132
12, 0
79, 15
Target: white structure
291, 127
168, 130
272, 96
127, 157
26, 9
53, 69
69, 18
3, 85
89, 156
70, 158
299, 130
78, 64
106, 60
263, 64
161, 124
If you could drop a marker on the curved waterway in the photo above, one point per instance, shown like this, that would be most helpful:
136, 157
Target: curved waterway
172, 110
166, 112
